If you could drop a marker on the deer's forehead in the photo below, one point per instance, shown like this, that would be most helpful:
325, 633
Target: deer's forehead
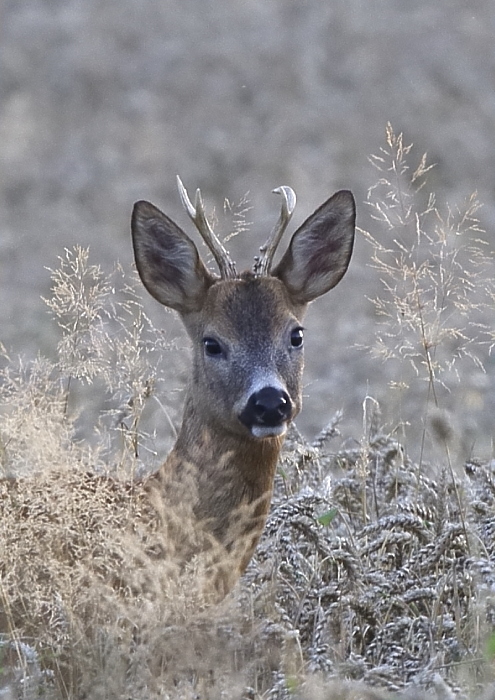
244, 305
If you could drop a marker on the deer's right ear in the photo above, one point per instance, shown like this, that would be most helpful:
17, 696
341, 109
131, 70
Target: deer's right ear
320, 250
167, 260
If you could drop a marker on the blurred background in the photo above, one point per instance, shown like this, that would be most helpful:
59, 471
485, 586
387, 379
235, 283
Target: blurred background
103, 102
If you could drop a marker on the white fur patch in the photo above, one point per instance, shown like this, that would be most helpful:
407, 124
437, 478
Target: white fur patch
265, 431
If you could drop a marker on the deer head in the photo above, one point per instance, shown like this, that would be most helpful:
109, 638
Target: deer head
245, 328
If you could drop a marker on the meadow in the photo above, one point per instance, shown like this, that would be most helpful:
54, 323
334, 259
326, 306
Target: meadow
375, 576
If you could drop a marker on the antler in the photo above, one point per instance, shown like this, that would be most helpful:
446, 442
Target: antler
263, 263
197, 214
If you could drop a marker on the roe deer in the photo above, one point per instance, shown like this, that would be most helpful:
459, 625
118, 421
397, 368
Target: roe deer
247, 342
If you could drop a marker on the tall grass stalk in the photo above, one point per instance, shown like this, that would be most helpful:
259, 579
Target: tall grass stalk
436, 277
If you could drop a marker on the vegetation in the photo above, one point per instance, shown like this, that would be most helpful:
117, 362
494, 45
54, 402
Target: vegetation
376, 572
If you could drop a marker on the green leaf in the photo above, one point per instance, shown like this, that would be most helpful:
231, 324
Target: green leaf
283, 474
490, 647
292, 684
326, 518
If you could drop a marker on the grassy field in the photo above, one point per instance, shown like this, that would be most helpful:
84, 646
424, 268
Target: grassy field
375, 576
376, 571
103, 102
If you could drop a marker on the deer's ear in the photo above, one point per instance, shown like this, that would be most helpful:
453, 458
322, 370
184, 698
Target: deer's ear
320, 250
167, 260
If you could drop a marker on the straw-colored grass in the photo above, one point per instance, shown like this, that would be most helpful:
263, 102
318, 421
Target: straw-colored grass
375, 574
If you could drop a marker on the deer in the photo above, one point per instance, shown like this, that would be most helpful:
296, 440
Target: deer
246, 333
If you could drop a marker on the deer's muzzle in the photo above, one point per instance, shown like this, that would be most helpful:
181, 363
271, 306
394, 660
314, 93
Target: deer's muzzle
267, 412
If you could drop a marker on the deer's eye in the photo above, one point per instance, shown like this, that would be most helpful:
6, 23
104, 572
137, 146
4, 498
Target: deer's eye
297, 337
212, 347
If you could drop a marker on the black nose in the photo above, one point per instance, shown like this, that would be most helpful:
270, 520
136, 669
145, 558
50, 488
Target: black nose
268, 407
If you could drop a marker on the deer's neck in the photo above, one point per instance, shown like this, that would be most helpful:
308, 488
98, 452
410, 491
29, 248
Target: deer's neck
230, 478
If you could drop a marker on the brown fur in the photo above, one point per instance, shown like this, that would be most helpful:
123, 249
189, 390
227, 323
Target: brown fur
223, 468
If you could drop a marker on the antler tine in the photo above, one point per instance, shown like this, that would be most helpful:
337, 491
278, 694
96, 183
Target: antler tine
197, 214
263, 263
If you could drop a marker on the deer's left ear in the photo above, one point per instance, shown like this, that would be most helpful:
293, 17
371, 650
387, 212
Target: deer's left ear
167, 260
320, 250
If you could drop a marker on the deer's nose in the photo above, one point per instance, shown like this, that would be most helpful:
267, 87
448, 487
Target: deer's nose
269, 407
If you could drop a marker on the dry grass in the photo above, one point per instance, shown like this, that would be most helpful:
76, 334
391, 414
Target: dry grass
375, 574
436, 286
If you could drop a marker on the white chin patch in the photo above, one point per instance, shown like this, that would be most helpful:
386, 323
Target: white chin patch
264, 431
